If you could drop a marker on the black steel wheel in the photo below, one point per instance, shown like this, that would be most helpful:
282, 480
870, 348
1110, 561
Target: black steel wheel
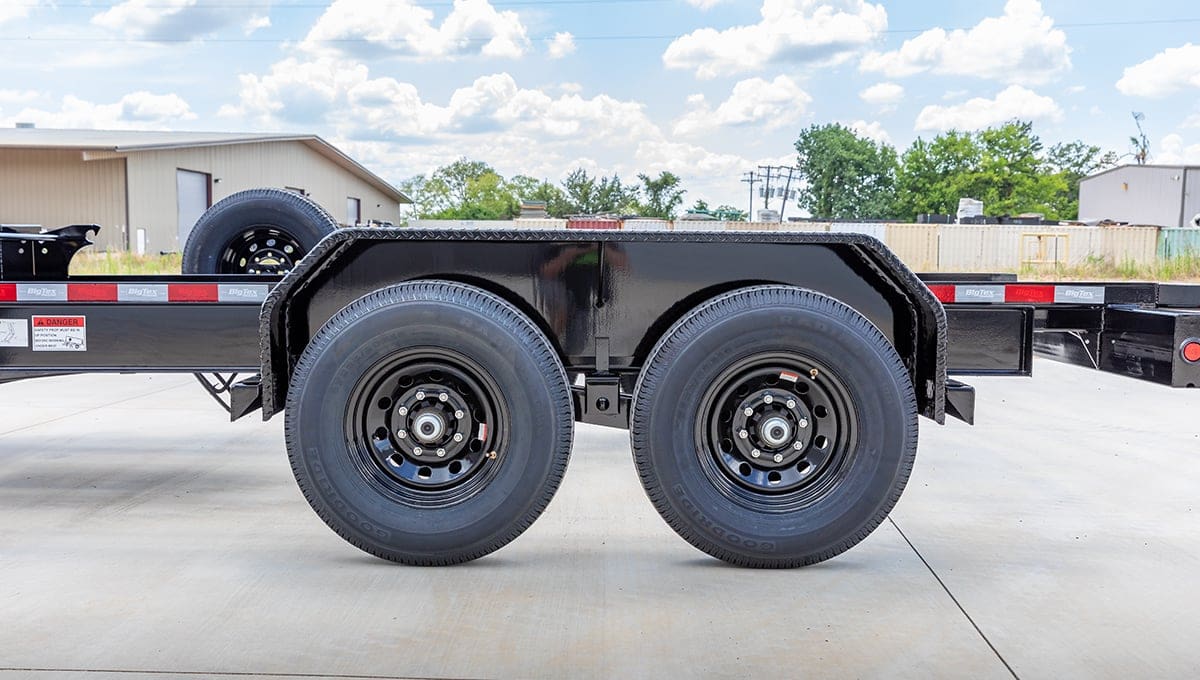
261, 249
260, 231
774, 427
429, 423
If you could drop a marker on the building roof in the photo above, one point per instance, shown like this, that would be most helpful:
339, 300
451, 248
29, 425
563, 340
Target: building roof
133, 141
1148, 167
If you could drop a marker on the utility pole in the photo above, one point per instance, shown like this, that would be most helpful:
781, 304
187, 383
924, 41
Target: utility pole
751, 179
767, 193
780, 172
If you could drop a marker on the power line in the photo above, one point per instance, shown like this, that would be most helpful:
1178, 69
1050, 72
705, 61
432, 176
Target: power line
497, 3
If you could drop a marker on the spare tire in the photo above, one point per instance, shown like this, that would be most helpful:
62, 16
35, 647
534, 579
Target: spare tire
259, 231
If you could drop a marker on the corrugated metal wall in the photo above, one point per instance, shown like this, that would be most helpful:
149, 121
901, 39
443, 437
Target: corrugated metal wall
1191, 199
1138, 194
1007, 247
55, 188
915, 244
152, 193
1178, 243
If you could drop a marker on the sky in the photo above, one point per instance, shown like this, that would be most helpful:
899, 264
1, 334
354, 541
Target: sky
707, 89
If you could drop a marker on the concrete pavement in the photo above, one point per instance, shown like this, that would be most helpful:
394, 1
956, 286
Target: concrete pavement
140, 532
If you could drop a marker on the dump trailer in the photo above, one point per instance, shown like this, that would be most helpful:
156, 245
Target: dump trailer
430, 379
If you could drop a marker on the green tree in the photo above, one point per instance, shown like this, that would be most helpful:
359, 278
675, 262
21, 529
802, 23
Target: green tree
1006, 167
845, 175
934, 175
662, 195
422, 200
1014, 174
1073, 161
462, 190
586, 195
526, 188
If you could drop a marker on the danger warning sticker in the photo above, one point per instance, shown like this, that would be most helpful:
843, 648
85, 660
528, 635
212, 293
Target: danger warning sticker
60, 334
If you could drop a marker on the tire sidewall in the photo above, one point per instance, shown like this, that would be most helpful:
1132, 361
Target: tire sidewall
294, 215
873, 474
498, 511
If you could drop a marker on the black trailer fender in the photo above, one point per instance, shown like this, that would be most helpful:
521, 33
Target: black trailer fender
603, 298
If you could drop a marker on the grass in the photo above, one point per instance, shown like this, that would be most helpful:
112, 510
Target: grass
1177, 269
125, 263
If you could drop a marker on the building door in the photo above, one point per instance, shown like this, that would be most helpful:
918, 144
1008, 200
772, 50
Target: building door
194, 194
353, 211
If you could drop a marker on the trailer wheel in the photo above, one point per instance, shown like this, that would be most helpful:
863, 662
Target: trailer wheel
429, 423
259, 231
774, 427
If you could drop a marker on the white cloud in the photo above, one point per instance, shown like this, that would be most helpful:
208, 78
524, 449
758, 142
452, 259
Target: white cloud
14, 10
392, 128
872, 130
1173, 151
883, 95
256, 23
790, 32
704, 4
978, 113
1021, 46
1168, 72
769, 104
18, 96
403, 28
562, 45
172, 20
137, 110
1192, 121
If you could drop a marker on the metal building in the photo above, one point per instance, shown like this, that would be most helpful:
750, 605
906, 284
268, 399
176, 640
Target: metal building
147, 189
1157, 195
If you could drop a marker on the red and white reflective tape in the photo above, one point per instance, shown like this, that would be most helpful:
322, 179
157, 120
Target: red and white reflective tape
1018, 293
227, 293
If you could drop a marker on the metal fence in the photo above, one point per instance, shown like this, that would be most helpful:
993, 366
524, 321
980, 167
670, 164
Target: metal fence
1178, 243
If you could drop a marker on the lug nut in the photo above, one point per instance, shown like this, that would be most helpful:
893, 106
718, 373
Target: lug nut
768, 399
748, 412
418, 451
459, 414
803, 422
791, 403
403, 410
755, 453
458, 436
401, 434
441, 453
778, 458
797, 445
742, 434
443, 396
420, 396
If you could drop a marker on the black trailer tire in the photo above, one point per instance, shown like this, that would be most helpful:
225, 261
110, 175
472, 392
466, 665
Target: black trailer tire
761, 497
449, 358
258, 231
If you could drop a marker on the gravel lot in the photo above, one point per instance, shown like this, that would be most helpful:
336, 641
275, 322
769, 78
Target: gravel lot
140, 533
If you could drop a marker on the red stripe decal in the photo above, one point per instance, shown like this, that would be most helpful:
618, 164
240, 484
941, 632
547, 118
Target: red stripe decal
1029, 293
944, 293
92, 292
8, 292
192, 292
